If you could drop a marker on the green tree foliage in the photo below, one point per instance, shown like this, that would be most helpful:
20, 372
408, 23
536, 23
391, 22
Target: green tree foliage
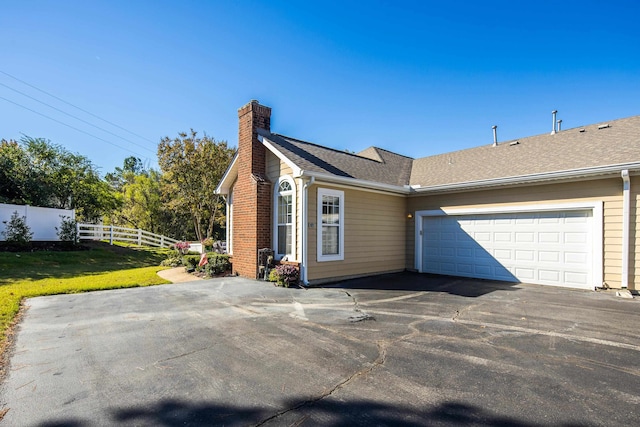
142, 201
39, 173
192, 167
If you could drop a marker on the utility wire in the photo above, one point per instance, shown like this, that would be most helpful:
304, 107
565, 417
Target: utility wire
75, 106
77, 118
74, 128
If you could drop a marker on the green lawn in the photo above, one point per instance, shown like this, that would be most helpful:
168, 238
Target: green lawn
31, 274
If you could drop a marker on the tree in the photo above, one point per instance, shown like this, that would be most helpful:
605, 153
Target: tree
19, 182
40, 173
192, 167
132, 166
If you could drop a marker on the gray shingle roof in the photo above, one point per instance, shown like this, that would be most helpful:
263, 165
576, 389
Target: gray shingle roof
373, 164
577, 148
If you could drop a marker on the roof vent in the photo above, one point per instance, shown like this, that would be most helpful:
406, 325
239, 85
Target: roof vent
515, 143
604, 126
553, 123
495, 135
583, 130
559, 122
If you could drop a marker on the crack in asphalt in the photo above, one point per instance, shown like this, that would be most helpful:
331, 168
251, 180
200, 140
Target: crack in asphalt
380, 360
356, 307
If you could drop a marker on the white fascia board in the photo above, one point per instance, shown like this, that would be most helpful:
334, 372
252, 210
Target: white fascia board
229, 176
522, 179
352, 182
282, 157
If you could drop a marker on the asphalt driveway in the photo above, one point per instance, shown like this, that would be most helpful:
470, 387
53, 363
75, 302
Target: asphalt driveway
402, 349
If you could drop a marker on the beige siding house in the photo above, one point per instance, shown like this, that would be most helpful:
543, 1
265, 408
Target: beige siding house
558, 209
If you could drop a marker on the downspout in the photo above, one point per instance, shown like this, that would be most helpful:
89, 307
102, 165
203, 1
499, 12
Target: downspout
626, 218
305, 229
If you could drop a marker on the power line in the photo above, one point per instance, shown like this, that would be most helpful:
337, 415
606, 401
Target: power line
77, 118
75, 106
73, 127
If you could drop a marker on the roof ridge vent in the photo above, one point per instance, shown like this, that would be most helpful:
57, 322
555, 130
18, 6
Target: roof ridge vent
604, 126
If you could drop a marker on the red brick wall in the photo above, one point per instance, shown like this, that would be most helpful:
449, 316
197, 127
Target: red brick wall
252, 192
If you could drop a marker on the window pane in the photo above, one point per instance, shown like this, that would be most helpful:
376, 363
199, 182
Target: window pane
330, 240
285, 186
285, 239
330, 210
284, 210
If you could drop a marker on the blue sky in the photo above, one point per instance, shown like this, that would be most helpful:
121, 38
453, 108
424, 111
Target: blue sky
418, 78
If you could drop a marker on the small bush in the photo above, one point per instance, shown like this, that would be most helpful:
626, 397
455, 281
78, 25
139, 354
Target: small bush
172, 261
68, 231
17, 231
217, 264
191, 261
284, 275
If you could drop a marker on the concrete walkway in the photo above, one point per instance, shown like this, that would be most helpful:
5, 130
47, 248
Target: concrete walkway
177, 275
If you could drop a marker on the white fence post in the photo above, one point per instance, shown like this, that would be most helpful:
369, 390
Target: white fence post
111, 234
139, 237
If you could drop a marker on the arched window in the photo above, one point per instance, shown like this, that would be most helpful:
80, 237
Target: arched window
285, 218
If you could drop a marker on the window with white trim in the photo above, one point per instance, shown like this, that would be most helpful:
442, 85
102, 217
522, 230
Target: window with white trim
330, 225
284, 209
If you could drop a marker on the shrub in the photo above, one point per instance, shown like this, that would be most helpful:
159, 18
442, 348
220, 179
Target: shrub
284, 275
191, 261
217, 264
68, 231
172, 261
17, 231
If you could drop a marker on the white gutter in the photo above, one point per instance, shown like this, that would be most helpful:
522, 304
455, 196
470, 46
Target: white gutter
352, 182
626, 218
305, 229
546, 176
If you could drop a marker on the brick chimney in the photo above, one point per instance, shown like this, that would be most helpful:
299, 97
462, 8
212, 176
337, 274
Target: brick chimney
252, 191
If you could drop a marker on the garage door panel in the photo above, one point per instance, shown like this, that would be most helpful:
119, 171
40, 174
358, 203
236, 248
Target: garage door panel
528, 255
525, 273
483, 236
549, 256
575, 237
575, 258
575, 278
502, 237
547, 248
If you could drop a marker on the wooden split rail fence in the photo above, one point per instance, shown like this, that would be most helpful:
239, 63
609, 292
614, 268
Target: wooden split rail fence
123, 234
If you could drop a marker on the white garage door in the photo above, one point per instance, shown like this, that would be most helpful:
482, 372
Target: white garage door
547, 248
